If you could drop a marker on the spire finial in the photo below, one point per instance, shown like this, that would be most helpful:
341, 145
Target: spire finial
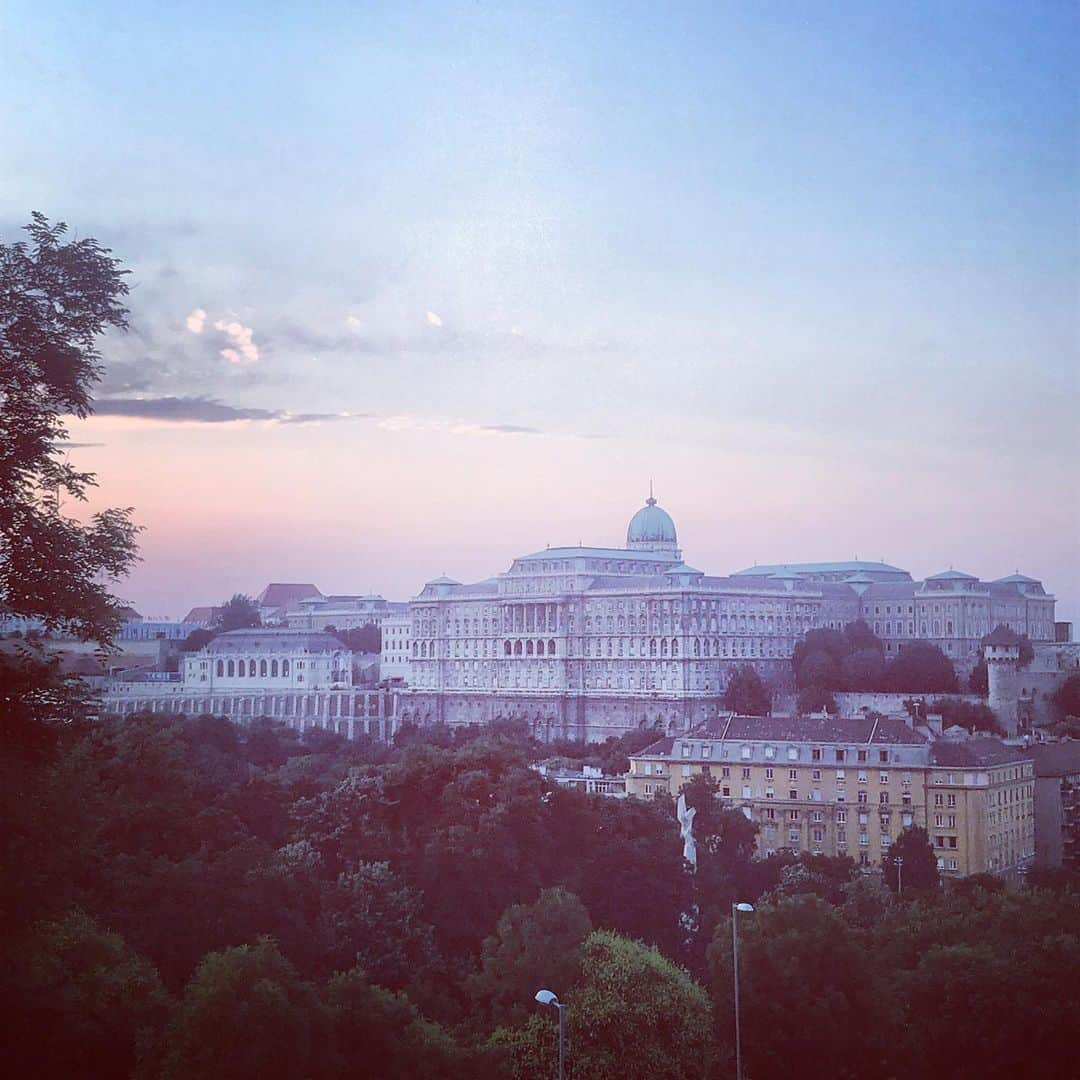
650, 501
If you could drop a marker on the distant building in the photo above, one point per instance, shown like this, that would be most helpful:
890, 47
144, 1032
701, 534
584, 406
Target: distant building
1057, 803
141, 629
587, 778
275, 600
340, 612
203, 617
850, 786
396, 637
594, 641
269, 659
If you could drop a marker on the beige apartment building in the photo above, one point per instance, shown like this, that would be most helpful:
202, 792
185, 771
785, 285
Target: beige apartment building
851, 786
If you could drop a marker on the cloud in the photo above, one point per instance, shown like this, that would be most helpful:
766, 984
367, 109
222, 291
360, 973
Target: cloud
196, 321
204, 410
433, 319
406, 422
353, 323
243, 349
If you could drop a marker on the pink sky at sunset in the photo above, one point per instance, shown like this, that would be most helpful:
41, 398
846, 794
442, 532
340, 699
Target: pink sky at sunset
352, 507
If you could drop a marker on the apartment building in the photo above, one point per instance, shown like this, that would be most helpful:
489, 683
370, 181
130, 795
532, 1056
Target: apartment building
836, 786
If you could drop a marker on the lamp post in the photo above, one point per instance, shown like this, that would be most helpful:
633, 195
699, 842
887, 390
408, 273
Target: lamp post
546, 997
899, 860
735, 909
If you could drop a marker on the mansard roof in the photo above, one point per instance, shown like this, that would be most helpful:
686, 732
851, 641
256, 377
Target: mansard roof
890, 590
883, 731
597, 553
975, 752
805, 569
270, 639
280, 593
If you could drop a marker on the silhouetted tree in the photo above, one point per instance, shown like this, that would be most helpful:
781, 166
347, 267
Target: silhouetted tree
919, 871
237, 613
746, 693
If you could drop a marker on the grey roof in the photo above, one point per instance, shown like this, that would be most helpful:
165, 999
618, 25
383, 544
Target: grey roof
975, 752
280, 593
682, 568
1016, 579
885, 731
487, 587
267, 639
853, 567
952, 575
890, 590
1057, 759
442, 580
597, 553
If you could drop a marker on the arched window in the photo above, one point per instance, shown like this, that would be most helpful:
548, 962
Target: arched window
528, 648
652, 646
697, 647
674, 646
517, 648
273, 669
539, 648
284, 667
232, 668
221, 667
663, 647
262, 668
551, 648
251, 668
507, 648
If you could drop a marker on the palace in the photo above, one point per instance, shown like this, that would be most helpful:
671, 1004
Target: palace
589, 642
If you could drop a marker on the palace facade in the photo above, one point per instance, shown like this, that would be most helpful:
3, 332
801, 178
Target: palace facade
589, 642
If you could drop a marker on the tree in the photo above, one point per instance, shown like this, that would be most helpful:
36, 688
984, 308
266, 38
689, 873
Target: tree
535, 945
810, 994
86, 1002
746, 694
920, 668
972, 716
919, 871
819, 670
1066, 698
812, 699
862, 670
56, 299
363, 639
633, 1013
247, 1014
380, 1033
237, 613
197, 639
979, 679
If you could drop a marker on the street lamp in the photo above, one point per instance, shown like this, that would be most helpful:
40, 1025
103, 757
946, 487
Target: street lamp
735, 909
899, 860
546, 997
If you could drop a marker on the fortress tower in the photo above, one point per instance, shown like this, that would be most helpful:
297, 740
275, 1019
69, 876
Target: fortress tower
1001, 649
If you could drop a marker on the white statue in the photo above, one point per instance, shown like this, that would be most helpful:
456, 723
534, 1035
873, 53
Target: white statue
686, 826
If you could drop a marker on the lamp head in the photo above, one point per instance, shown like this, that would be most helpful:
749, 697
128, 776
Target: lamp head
744, 907
546, 997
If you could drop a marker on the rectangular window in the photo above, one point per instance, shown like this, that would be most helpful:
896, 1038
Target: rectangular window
686, 770
841, 755
726, 792
862, 776
746, 753
951, 801
768, 774
883, 757
793, 774
769, 793
883, 778
817, 774
793, 794
863, 755
725, 772
746, 774
793, 835
815, 754
746, 791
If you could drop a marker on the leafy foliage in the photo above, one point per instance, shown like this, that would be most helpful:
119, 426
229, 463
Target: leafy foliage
746, 693
237, 613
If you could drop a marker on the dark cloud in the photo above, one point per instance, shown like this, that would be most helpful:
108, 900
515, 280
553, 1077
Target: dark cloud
511, 429
202, 410
205, 410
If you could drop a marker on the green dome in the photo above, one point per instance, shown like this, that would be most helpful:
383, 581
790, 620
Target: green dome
651, 525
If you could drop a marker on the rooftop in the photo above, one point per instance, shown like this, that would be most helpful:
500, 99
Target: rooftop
262, 638
281, 593
1057, 759
977, 752
885, 731
805, 569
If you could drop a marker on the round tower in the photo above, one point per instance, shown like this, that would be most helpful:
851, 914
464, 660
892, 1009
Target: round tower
1001, 650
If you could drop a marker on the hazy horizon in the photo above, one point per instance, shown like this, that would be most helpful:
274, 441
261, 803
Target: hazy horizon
423, 289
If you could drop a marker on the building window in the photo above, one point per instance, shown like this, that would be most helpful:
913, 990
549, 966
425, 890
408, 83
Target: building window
220, 668
746, 774
232, 668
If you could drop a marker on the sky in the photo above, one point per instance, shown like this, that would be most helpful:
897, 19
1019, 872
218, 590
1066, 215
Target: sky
417, 288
